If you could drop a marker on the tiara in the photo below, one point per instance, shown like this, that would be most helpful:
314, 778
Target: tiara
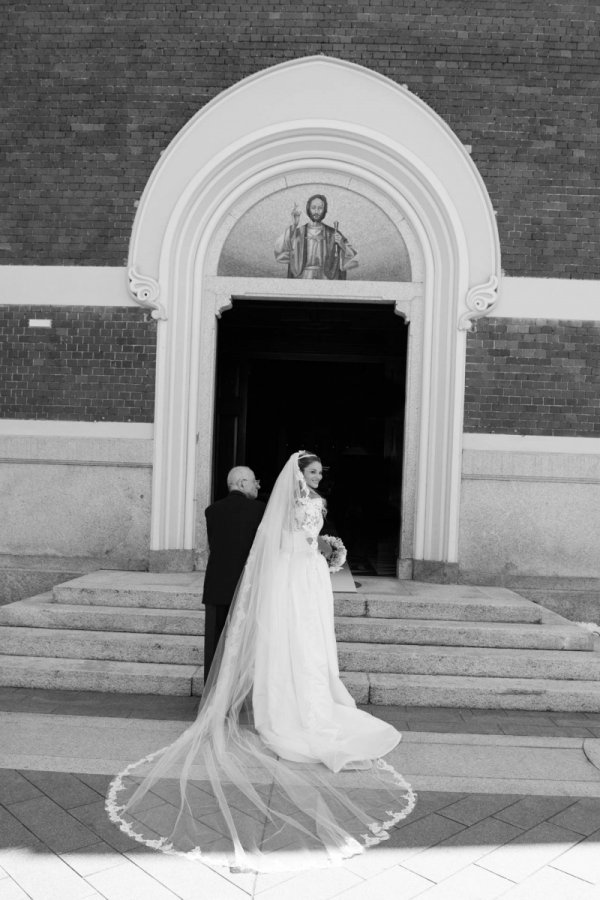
303, 454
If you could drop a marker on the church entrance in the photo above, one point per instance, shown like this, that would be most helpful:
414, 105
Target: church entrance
327, 377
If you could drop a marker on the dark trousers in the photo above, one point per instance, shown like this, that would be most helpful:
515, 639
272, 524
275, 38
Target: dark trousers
215, 618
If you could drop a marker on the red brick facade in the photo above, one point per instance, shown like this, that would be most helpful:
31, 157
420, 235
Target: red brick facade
93, 364
95, 91
533, 376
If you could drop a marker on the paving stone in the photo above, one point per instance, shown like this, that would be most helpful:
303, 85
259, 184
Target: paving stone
530, 811
190, 880
476, 807
430, 802
317, 884
14, 787
582, 860
63, 788
582, 817
10, 890
94, 816
395, 882
546, 730
44, 876
98, 783
472, 883
52, 825
13, 833
128, 881
403, 843
462, 850
550, 884
530, 851
92, 859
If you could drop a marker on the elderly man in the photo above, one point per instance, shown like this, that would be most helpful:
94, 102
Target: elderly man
231, 525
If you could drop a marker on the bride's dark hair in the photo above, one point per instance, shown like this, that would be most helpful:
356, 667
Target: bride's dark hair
307, 458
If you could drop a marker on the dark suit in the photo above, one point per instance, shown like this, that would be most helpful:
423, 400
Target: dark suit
231, 524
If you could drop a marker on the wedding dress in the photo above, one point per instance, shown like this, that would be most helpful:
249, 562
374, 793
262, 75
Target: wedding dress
280, 770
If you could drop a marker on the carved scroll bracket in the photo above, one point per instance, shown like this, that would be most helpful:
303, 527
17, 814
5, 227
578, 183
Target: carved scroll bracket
146, 291
480, 301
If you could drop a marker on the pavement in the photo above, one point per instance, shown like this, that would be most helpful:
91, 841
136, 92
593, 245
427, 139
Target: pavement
508, 806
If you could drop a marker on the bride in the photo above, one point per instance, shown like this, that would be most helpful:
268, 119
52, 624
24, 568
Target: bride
280, 770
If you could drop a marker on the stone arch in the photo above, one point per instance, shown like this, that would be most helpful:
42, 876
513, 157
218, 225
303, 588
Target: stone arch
351, 123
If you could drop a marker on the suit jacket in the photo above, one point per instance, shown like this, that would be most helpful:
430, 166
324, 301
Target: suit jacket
231, 524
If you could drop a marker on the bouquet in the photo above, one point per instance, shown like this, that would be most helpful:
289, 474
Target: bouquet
337, 558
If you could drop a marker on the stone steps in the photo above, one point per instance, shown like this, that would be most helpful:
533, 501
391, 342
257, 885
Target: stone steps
58, 673
484, 693
133, 589
504, 606
176, 649
43, 612
398, 642
483, 662
463, 634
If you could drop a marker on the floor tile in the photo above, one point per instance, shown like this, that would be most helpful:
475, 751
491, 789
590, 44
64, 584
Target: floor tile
52, 825
187, 879
472, 883
43, 875
530, 811
529, 851
403, 843
10, 890
396, 882
318, 884
460, 851
13, 833
128, 881
14, 787
92, 859
476, 807
66, 790
550, 884
583, 816
582, 860
94, 816
98, 783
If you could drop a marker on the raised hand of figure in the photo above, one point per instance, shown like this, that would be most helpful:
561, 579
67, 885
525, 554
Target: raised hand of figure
295, 215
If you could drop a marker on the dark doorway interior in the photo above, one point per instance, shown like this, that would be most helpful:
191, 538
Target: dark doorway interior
326, 377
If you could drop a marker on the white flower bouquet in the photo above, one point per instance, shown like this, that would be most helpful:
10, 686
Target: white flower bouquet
337, 557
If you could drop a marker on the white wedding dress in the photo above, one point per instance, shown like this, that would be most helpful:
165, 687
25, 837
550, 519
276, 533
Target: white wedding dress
302, 710
280, 770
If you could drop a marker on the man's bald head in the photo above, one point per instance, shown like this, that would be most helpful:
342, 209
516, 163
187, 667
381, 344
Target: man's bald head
243, 479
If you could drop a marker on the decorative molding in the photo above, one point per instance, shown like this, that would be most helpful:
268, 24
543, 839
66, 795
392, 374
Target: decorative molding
65, 428
145, 290
530, 443
480, 301
560, 299
82, 463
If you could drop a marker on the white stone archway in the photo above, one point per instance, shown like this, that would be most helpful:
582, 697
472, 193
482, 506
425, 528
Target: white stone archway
345, 122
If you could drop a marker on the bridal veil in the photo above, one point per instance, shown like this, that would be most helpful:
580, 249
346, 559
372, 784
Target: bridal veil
220, 793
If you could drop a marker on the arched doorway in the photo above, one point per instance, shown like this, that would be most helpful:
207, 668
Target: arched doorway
347, 126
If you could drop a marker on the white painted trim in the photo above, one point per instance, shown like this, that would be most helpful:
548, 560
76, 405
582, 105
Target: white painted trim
516, 443
548, 298
518, 298
65, 428
64, 286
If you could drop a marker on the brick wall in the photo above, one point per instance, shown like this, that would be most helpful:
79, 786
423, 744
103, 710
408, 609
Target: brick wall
95, 91
94, 364
533, 376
